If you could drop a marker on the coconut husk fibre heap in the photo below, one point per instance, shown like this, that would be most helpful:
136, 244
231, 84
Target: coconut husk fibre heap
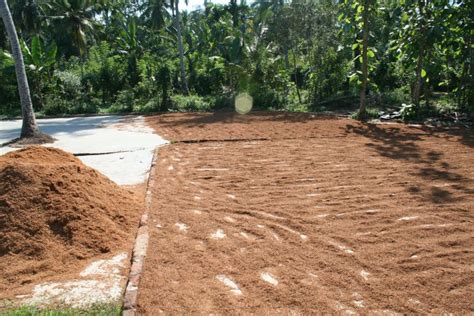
56, 214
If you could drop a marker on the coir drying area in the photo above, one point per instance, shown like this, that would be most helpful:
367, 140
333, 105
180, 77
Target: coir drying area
345, 218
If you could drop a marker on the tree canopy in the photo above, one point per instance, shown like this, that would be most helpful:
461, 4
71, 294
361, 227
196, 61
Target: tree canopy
86, 56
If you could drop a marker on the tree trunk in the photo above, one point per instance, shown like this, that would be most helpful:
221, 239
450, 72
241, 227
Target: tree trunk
365, 40
296, 79
427, 88
470, 77
420, 61
466, 93
287, 61
418, 80
184, 80
287, 68
29, 127
233, 11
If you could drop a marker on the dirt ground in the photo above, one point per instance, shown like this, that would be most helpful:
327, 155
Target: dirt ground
324, 215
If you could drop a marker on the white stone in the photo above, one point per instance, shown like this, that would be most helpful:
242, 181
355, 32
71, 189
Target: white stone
229, 283
267, 277
218, 234
182, 226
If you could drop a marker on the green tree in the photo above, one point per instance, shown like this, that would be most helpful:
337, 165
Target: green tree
29, 127
421, 26
357, 17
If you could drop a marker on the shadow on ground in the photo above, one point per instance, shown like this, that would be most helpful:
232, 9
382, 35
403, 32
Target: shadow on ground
203, 119
436, 168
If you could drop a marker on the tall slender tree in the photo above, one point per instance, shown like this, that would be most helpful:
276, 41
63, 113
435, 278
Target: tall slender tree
29, 127
421, 52
365, 60
177, 25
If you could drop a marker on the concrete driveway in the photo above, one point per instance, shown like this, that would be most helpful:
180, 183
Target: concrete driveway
120, 147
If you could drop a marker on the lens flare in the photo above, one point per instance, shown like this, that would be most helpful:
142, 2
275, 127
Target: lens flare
243, 103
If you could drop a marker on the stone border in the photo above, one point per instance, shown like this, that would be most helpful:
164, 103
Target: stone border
139, 249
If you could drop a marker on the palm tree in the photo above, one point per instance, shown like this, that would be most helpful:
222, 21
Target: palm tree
29, 127
74, 19
155, 12
271, 12
177, 25
26, 16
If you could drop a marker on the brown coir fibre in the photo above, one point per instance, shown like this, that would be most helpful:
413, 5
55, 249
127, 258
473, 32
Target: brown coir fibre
349, 218
56, 214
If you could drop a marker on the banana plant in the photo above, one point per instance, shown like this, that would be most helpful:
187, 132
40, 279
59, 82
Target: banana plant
39, 58
39, 61
130, 45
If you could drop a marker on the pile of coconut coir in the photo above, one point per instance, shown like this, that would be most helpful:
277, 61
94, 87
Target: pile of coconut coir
56, 213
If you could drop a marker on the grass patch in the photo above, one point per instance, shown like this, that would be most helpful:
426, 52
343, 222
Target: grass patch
99, 310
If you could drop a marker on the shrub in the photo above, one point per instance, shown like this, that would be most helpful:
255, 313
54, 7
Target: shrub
408, 112
105, 71
370, 113
221, 101
69, 83
396, 97
190, 103
55, 105
152, 105
86, 106
10, 109
125, 102
264, 97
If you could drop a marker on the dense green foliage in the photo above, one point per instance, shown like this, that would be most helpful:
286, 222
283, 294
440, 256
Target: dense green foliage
88, 56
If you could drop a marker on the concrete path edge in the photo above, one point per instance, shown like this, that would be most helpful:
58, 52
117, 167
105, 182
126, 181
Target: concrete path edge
130, 297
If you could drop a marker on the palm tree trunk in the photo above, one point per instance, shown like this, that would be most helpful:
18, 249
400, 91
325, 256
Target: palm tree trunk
184, 80
233, 11
365, 40
29, 127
